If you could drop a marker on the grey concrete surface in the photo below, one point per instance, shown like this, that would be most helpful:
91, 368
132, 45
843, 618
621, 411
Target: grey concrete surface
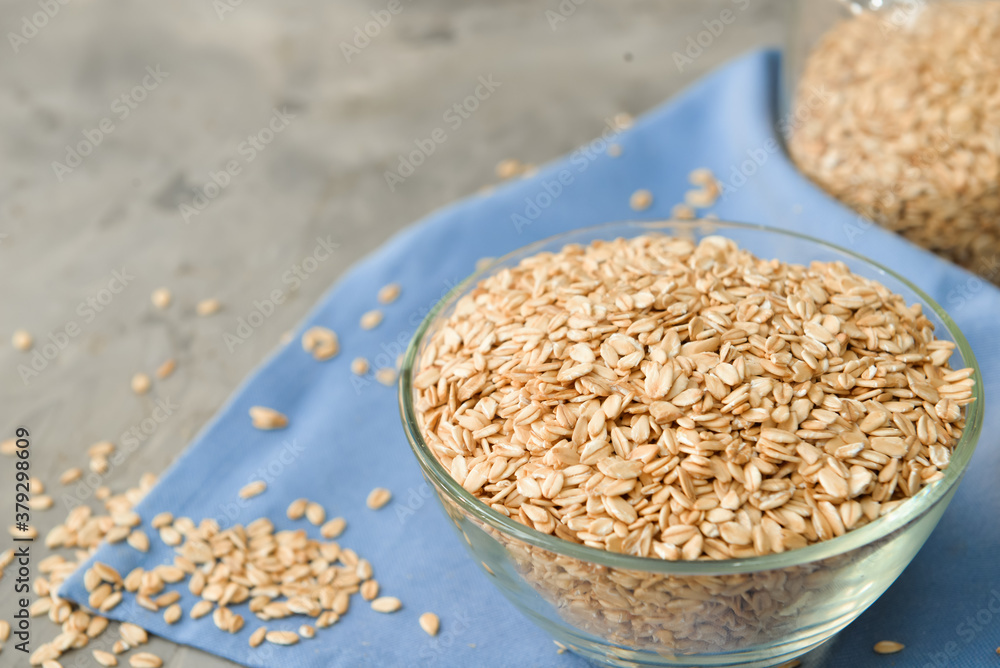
224, 67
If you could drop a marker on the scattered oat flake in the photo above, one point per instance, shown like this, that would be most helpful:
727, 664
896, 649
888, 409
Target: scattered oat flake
700, 199
101, 449
8, 446
378, 497
297, 508
389, 293
96, 625
702, 176
22, 340
105, 658
359, 366
170, 573
166, 369
327, 619
371, 319
333, 528
386, 604
222, 617
41, 502
614, 150
253, 489
161, 520
167, 599
641, 200
160, 298
44, 653
200, 609
116, 534
35, 485
282, 637
386, 376
138, 540
485, 263
321, 342
888, 647
257, 637
106, 573
369, 590
208, 306
111, 602
623, 120
509, 168
140, 383
315, 513
318, 580
263, 417
682, 212
171, 536
430, 623
145, 660
172, 614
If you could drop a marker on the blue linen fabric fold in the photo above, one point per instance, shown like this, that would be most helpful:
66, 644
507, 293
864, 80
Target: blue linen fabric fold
345, 438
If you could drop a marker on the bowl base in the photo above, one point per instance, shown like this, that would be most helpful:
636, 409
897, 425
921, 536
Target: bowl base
602, 655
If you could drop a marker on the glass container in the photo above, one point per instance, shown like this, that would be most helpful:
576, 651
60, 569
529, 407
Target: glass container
892, 107
623, 610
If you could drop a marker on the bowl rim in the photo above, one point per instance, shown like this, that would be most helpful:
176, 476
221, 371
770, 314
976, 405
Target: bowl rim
913, 508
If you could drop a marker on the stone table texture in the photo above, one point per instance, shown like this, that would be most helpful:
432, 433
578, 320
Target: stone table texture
210, 146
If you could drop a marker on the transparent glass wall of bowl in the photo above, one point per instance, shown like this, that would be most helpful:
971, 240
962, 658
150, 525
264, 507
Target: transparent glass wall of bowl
630, 611
624, 617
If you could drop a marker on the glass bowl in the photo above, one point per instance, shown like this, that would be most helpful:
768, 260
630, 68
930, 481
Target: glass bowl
624, 610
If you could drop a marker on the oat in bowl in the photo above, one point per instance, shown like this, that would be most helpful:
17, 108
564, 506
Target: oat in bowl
666, 450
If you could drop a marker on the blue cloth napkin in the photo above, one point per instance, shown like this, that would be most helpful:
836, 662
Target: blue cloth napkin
345, 438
